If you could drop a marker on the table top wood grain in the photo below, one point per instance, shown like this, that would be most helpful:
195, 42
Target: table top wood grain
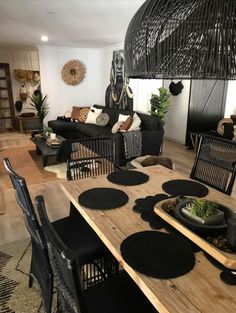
201, 290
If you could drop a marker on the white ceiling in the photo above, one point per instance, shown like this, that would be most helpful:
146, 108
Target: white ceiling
71, 23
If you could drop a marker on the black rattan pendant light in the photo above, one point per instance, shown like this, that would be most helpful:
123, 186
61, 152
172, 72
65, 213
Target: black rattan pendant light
182, 39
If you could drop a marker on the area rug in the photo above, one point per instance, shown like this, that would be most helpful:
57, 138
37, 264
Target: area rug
15, 296
27, 163
58, 169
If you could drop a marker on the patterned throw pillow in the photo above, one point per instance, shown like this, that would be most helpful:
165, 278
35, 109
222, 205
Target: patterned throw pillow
83, 114
136, 123
102, 119
96, 110
91, 118
75, 113
126, 125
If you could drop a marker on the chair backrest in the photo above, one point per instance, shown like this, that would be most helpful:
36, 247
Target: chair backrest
215, 163
64, 265
90, 157
25, 203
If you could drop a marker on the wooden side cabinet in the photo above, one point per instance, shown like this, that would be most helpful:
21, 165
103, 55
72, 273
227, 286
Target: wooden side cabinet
7, 112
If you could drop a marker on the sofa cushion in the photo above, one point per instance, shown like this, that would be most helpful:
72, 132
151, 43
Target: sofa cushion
150, 122
92, 130
114, 113
61, 125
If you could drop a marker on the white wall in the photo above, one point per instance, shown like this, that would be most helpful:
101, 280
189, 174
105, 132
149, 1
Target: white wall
176, 118
19, 59
230, 107
62, 96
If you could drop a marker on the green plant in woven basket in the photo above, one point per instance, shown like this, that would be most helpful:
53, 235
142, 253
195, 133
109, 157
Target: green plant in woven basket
160, 103
202, 208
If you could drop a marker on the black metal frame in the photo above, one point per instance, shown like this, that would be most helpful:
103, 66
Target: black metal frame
90, 157
215, 163
97, 264
40, 268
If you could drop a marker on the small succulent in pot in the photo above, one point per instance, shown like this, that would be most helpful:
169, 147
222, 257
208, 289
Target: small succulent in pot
204, 211
202, 208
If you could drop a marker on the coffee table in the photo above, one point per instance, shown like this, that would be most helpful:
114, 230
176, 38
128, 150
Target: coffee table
44, 149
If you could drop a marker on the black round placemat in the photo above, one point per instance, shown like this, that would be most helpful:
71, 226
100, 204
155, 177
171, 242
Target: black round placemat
157, 254
182, 187
103, 198
127, 178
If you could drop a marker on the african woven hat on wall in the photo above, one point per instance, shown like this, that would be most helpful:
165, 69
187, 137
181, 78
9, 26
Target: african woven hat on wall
182, 39
73, 72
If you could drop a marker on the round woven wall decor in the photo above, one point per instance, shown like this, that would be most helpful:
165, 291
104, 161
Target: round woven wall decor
73, 72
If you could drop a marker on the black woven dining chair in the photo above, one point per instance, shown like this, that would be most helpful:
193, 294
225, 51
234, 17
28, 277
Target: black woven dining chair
117, 295
40, 267
215, 163
97, 263
88, 157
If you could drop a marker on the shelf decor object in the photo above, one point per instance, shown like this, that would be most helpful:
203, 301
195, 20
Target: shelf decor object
182, 39
73, 72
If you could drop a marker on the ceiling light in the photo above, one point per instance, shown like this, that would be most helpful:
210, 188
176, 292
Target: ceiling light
44, 38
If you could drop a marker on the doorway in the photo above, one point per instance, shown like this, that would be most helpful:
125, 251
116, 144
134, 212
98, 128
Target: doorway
7, 112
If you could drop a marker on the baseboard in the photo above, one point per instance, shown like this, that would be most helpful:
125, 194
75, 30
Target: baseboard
174, 140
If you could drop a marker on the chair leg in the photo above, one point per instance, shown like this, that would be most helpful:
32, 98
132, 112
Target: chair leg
30, 281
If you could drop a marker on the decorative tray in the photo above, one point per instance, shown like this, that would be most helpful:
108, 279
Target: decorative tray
53, 143
225, 258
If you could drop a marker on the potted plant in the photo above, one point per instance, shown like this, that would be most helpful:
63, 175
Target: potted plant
40, 104
160, 103
203, 211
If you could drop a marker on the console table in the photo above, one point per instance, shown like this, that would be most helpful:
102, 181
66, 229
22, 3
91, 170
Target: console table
43, 148
23, 119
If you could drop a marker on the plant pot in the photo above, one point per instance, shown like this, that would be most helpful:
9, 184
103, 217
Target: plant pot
215, 219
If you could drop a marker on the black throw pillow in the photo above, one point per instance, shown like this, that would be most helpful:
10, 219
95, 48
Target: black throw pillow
228, 130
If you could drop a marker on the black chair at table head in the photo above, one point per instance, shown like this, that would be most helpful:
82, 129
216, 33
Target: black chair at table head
117, 295
215, 163
88, 157
75, 232
40, 268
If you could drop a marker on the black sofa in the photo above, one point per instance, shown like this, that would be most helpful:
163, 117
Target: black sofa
151, 128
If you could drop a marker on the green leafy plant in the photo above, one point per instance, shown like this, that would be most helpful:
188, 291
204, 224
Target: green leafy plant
160, 103
202, 208
39, 104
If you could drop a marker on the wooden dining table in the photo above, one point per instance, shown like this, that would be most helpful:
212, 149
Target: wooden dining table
200, 290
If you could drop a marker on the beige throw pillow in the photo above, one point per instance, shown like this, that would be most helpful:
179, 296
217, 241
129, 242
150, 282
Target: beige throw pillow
116, 127
122, 117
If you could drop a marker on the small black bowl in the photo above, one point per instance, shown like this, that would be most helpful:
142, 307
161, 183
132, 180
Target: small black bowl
203, 229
